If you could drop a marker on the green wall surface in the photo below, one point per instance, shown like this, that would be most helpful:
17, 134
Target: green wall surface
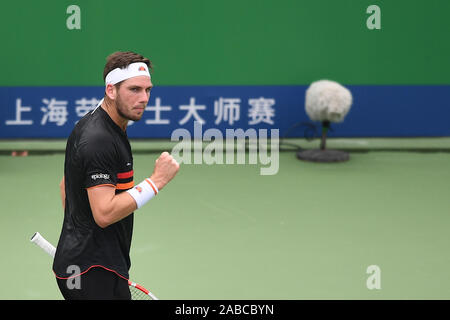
217, 42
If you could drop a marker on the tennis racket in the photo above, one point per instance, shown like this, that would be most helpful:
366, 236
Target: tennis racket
138, 292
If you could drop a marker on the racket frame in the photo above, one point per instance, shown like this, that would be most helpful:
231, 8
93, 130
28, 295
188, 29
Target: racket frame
42, 243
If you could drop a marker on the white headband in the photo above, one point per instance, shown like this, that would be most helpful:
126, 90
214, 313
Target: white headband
133, 70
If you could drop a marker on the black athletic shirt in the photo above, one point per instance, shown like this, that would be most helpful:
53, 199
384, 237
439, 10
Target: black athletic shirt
97, 153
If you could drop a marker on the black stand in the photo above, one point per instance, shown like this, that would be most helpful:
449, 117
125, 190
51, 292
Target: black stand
323, 154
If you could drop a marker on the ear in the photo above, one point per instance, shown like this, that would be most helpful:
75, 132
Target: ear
111, 91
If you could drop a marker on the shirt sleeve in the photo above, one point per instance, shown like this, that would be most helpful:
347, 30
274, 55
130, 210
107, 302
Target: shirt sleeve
99, 162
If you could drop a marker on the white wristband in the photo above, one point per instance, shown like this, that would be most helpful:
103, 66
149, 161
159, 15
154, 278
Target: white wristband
143, 192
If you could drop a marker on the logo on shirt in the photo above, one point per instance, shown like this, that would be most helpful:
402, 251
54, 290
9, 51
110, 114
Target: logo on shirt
100, 176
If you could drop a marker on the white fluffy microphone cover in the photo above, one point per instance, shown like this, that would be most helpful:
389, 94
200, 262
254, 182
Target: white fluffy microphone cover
327, 100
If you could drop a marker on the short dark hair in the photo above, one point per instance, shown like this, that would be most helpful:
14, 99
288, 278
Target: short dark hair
121, 59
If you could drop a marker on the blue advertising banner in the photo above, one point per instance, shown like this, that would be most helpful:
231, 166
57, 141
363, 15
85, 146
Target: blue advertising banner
377, 111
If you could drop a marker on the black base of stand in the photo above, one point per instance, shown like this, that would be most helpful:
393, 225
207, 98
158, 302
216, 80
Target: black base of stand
318, 155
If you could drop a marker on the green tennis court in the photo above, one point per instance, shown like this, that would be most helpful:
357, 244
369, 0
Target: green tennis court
227, 232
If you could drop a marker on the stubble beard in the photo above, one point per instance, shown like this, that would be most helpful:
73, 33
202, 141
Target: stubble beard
123, 111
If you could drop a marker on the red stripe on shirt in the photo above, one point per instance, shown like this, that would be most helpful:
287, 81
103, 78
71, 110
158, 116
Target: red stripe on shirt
125, 175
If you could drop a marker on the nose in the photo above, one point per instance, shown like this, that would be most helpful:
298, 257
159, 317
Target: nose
144, 97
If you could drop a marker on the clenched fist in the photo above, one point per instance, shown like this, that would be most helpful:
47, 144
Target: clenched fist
166, 167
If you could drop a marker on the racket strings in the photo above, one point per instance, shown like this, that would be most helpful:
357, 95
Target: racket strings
137, 294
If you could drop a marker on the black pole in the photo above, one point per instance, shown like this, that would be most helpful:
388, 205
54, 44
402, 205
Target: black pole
325, 127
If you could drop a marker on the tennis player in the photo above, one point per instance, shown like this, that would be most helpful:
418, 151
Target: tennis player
98, 191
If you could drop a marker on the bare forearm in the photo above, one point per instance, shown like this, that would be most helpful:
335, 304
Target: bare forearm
108, 208
62, 191
118, 207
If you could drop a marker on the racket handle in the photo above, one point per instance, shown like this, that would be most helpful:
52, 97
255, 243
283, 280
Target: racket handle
43, 244
40, 241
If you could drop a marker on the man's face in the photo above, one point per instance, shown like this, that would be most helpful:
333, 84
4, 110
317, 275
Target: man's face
132, 97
